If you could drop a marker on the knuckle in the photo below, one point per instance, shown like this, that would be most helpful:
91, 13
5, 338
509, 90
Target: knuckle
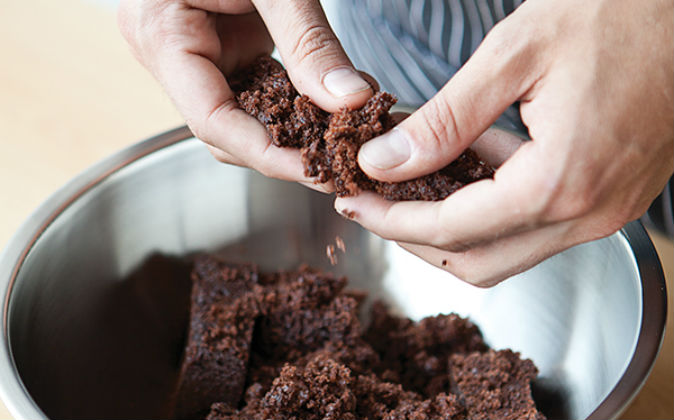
569, 205
439, 122
511, 36
514, 43
500, 41
538, 199
144, 25
124, 19
198, 131
457, 246
470, 274
447, 240
614, 224
315, 41
555, 199
619, 216
218, 155
129, 22
214, 117
266, 168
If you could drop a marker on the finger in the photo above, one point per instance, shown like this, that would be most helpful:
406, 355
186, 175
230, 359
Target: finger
500, 72
370, 80
202, 95
398, 117
488, 265
223, 156
405, 221
327, 187
480, 212
495, 146
316, 62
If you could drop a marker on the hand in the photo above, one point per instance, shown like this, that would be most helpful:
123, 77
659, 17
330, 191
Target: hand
595, 81
191, 45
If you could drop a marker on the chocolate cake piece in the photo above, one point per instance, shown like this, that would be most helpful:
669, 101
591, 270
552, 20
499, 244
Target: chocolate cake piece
359, 356
415, 353
223, 309
377, 399
441, 407
320, 390
329, 143
302, 312
264, 91
347, 132
494, 385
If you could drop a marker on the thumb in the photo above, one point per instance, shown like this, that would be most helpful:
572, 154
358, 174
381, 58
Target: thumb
312, 54
500, 72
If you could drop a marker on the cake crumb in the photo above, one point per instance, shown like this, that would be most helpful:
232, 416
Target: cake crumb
332, 255
340, 243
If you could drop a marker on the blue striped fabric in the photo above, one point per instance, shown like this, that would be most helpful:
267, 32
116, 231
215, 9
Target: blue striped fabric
412, 47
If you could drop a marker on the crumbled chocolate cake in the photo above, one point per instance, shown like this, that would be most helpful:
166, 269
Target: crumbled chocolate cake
415, 353
329, 143
289, 345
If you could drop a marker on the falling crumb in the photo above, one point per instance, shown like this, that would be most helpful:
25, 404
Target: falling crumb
332, 255
340, 243
444, 263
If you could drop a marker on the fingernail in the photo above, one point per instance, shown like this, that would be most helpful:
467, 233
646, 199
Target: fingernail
386, 151
344, 81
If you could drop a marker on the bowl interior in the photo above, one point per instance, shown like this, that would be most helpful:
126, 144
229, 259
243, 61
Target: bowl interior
89, 342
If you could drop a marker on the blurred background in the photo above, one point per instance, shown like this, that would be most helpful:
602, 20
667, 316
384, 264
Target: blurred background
71, 94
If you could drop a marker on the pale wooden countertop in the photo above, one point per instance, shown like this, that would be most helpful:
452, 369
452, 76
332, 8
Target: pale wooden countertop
71, 94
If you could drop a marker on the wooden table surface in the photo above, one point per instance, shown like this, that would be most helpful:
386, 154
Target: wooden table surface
71, 94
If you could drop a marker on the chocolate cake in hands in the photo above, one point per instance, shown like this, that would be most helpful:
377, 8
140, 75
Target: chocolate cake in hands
329, 143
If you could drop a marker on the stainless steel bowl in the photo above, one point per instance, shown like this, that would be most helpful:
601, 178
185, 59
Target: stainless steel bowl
73, 344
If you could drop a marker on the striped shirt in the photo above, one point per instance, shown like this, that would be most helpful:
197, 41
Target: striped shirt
413, 47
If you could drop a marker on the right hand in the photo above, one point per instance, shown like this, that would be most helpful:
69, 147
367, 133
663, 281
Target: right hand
191, 46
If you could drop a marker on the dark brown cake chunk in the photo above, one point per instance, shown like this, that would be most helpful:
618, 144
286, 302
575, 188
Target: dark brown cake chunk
378, 399
329, 143
302, 311
415, 353
495, 385
222, 316
321, 389
264, 91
